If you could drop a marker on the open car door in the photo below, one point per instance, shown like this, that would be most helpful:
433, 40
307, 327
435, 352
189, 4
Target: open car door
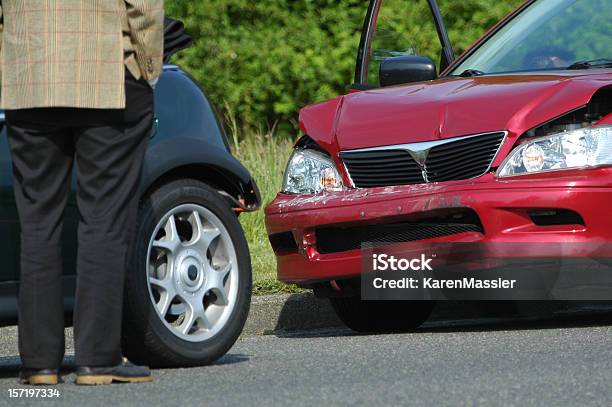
386, 55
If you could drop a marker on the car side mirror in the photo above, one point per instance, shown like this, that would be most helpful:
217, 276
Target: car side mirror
406, 69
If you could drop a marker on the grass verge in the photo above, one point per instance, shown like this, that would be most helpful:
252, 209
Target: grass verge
265, 155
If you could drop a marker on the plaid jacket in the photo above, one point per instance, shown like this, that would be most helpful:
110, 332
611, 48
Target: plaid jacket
73, 53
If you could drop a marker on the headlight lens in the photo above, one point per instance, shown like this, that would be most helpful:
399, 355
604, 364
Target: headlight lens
311, 172
587, 147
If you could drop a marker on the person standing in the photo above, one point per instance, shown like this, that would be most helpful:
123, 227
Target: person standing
77, 86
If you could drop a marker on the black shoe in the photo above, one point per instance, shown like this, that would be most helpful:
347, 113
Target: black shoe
39, 376
125, 372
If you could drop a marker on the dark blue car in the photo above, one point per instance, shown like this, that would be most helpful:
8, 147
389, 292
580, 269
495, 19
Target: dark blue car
189, 284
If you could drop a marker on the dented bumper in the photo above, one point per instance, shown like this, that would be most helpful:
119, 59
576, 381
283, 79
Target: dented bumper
561, 207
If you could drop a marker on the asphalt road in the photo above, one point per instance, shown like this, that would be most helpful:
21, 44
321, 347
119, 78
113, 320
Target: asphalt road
481, 362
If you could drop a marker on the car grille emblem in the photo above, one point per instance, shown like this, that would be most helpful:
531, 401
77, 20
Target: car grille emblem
420, 156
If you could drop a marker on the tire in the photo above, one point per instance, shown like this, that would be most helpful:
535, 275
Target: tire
381, 316
187, 270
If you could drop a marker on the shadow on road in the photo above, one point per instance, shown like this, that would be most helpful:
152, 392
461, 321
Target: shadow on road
479, 316
10, 365
231, 359
501, 315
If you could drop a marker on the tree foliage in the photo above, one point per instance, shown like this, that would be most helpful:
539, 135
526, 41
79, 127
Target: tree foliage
266, 59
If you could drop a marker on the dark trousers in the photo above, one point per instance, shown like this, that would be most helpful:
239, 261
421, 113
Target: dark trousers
108, 148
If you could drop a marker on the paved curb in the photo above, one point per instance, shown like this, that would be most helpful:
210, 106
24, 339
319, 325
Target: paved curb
289, 312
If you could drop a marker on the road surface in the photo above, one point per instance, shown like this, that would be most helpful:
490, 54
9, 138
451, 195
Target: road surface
559, 361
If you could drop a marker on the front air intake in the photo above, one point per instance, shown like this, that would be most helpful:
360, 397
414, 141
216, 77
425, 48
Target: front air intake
341, 238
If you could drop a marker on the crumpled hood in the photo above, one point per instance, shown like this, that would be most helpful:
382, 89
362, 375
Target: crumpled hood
455, 107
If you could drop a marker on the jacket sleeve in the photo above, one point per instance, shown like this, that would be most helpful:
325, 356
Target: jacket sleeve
146, 20
1, 34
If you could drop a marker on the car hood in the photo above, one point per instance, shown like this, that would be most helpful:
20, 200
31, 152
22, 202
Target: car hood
451, 107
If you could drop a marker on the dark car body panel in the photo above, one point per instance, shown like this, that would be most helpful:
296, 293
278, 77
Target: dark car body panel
188, 133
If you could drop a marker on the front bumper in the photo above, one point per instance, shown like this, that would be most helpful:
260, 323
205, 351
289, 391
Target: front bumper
502, 206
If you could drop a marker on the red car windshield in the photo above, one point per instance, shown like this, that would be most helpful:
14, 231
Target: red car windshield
547, 35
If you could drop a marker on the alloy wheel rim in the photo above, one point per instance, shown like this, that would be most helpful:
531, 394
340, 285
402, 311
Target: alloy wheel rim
192, 272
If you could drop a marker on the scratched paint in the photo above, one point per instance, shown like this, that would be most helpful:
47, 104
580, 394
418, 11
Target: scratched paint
350, 196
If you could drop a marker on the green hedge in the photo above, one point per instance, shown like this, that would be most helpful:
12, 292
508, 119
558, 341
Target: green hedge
263, 60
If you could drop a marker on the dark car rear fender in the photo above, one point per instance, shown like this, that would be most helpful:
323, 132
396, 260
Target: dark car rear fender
189, 142
195, 158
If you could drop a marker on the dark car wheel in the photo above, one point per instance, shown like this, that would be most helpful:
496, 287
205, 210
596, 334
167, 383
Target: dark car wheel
381, 316
189, 285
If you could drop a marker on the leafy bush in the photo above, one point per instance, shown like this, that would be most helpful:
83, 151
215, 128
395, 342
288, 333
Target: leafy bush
266, 59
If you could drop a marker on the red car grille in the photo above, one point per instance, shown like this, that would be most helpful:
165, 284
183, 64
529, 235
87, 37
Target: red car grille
448, 160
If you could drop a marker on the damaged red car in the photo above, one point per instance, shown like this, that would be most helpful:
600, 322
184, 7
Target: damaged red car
510, 142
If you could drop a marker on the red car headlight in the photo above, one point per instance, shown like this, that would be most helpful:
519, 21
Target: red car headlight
311, 172
583, 148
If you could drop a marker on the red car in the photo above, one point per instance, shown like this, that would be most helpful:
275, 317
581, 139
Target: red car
511, 142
